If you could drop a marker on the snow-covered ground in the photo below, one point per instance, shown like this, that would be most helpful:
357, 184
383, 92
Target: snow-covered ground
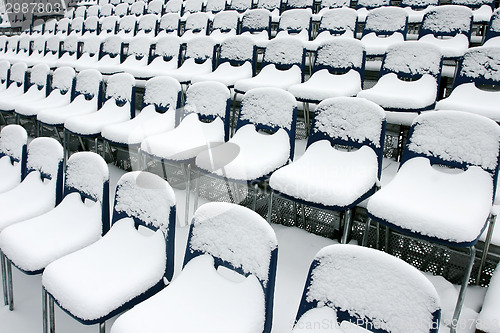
296, 251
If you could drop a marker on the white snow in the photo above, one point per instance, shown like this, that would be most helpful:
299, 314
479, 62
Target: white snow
335, 3
88, 82
162, 91
447, 19
207, 98
372, 3
200, 48
453, 47
256, 19
196, 22
386, 19
239, 48
340, 53
270, 76
112, 45
62, 78
170, 22
139, 47
12, 139
173, 6
482, 62
167, 47
339, 19
44, 154
119, 87
215, 6
226, 20
286, 50
295, 19
87, 172
17, 72
240, 5
495, 21
148, 23
413, 58
489, 319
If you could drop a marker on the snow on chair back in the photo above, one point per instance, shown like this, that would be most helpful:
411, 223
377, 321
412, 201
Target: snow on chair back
239, 239
121, 88
340, 55
80, 12
127, 24
474, 4
371, 4
192, 6
285, 53
196, 23
163, 92
3, 44
111, 47
45, 156
53, 46
137, 8
352, 122
155, 7
256, 20
335, 3
294, 21
49, 27
237, 50
412, 305
447, 21
63, 79
169, 24
215, 6
240, 5
270, 109
108, 25
226, 21
493, 29
480, 65
147, 25
434, 136
139, 48
296, 4
13, 143
89, 84
38, 49
106, 10
418, 4
91, 25
4, 74
150, 202
87, 173
385, 21
121, 10
69, 46
93, 11
18, 74
173, 6
168, 48
338, 21
76, 26
39, 77
209, 100
200, 49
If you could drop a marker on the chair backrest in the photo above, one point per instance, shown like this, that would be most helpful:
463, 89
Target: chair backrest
70, 45
371, 4
170, 23
192, 6
106, 10
49, 26
210, 100
155, 7
295, 4
295, 21
216, 229
386, 21
80, 11
139, 47
200, 49
93, 10
109, 24
111, 46
89, 83
197, 23
63, 79
493, 29
24, 44
150, 201
168, 48
411, 60
352, 122
63, 26
45, 156
480, 65
413, 305
434, 136
237, 50
241, 5
18, 73
3, 44
215, 6
14, 144
419, 4
447, 21
121, 10
91, 46
163, 92
269, 4
285, 53
91, 25
269, 109
338, 21
121, 88
137, 8
38, 46
173, 6
4, 72
76, 25
87, 174
256, 20
39, 77
127, 24
148, 23
474, 4
226, 21
53, 45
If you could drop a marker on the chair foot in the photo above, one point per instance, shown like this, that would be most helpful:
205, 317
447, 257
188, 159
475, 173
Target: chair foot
44, 310
4, 280
102, 327
486, 248
52, 317
463, 289
9, 285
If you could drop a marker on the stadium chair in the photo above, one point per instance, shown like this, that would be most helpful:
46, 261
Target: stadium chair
80, 12
108, 27
333, 4
37, 52
4, 74
224, 25
135, 59
229, 279
444, 188
69, 52
13, 145
299, 4
147, 26
296, 23
16, 82
191, 7
412, 305
347, 133
90, 28
409, 78
52, 48
240, 5
215, 6
126, 28
364, 6
49, 28
23, 50
10, 49
273, 6
93, 10
169, 25
196, 25
256, 23
62, 28
88, 57
76, 27
481, 10
109, 55
127, 265
137, 8
106, 10
473, 86
173, 6
335, 22
416, 9
155, 7
121, 10
77, 221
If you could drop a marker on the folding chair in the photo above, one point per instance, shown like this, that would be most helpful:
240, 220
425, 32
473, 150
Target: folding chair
126, 266
347, 134
118, 106
391, 295
77, 221
444, 188
216, 256
409, 78
477, 73
13, 145
334, 22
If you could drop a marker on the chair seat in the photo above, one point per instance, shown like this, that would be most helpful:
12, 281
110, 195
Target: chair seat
190, 68
57, 116
133, 131
302, 35
11, 174
132, 64
109, 65
415, 15
323, 37
494, 41
334, 178
32, 95
92, 123
270, 76
258, 155
458, 203
392, 93
453, 47
260, 38
67, 60
322, 85
54, 100
226, 74
9, 96
157, 67
377, 45
467, 97
97, 279
220, 305
32, 244
186, 140
30, 198
482, 14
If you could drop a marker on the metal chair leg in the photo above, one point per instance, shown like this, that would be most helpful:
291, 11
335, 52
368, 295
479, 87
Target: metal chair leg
9, 285
196, 190
364, 242
4, 280
270, 207
254, 203
44, 310
463, 289
187, 170
347, 226
52, 316
102, 327
486, 248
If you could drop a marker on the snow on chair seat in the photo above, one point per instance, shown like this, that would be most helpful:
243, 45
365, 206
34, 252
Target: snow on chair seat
69, 52
52, 48
256, 23
76, 222
15, 83
110, 55
13, 145
444, 188
136, 58
416, 9
295, 22
89, 56
146, 27
364, 6
478, 73
335, 22
330, 178
481, 10
224, 25
392, 296
37, 51
229, 279
409, 78
126, 266
169, 25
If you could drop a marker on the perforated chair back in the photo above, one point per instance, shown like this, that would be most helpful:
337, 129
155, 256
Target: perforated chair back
14, 144
412, 305
213, 232
150, 202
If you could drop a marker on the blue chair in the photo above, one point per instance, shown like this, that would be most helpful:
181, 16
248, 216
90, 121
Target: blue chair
126, 27
323, 178
74, 223
491, 37
481, 10
476, 72
88, 56
16, 82
225, 24
91, 27
295, 22
334, 22
13, 145
416, 9
395, 296
4, 74
196, 25
110, 55
226, 243
52, 50
134, 59
364, 6
138, 252
256, 23
147, 26
169, 25
444, 188
69, 52
241, 6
